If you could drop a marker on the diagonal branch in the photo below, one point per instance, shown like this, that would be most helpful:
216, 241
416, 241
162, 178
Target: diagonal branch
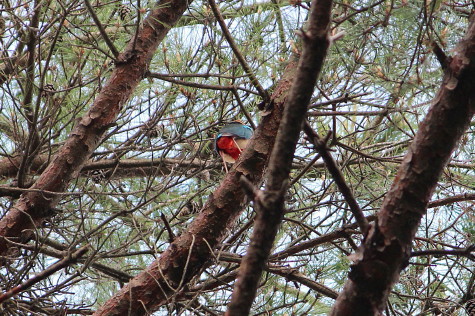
30, 113
290, 274
63, 263
255, 82
102, 30
33, 208
321, 147
192, 251
269, 204
386, 250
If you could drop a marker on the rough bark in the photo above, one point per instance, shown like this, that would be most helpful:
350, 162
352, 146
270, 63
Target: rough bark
269, 204
162, 281
33, 208
386, 249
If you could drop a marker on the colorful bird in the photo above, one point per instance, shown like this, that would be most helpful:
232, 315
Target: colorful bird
231, 141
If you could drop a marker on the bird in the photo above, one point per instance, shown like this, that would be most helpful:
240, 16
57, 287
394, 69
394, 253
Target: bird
231, 140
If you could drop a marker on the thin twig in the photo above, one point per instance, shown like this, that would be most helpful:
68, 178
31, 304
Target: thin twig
335, 171
33, 137
196, 84
343, 99
243, 109
291, 274
102, 30
171, 235
468, 252
72, 258
254, 81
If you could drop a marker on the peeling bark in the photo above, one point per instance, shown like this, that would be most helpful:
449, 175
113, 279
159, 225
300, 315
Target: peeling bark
162, 281
386, 249
33, 208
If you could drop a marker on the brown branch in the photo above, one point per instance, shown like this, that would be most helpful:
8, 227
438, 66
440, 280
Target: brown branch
337, 234
33, 137
61, 251
453, 199
70, 259
290, 274
386, 250
203, 16
354, 113
196, 84
350, 228
102, 30
342, 99
171, 235
440, 54
191, 252
323, 150
296, 276
122, 168
269, 208
465, 252
33, 208
270, 205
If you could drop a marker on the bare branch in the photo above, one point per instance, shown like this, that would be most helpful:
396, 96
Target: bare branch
102, 30
255, 82
321, 147
70, 259
270, 208
386, 250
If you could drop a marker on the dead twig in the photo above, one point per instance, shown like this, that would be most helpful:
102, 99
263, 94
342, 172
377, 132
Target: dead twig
323, 150
70, 259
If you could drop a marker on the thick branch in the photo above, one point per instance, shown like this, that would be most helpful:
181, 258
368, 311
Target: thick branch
386, 250
162, 281
33, 207
270, 205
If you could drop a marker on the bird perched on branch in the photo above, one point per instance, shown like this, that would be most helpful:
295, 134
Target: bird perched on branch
231, 141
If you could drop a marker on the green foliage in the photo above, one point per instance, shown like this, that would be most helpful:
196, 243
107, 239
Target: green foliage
375, 88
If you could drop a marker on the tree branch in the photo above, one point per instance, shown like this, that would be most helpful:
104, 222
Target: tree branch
321, 147
386, 250
33, 207
190, 252
254, 81
102, 30
70, 259
270, 205
465, 252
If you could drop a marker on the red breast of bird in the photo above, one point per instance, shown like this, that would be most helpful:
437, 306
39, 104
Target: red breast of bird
231, 147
